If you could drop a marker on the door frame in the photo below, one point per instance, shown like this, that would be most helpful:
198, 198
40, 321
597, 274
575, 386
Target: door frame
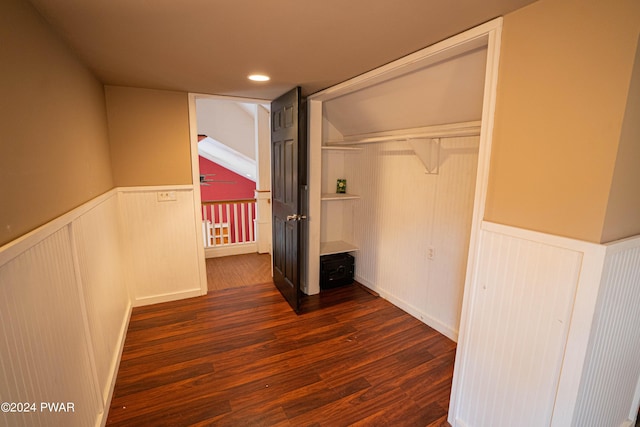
195, 172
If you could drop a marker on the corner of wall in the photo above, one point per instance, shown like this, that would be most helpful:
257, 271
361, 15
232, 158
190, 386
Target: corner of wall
557, 124
622, 217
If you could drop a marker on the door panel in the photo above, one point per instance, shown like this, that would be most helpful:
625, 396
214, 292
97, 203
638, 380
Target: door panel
277, 160
291, 185
288, 150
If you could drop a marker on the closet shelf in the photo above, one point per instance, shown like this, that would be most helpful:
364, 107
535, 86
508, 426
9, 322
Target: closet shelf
436, 131
339, 196
336, 247
341, 148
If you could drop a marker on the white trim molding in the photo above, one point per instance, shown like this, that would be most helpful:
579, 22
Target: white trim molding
233, 249
411, 309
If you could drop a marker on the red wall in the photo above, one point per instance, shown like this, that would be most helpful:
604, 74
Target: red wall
242, 188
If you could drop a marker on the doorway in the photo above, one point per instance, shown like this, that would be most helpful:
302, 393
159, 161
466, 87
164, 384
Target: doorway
231, 169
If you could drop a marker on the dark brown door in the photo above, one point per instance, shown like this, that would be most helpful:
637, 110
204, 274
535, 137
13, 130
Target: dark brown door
289, 174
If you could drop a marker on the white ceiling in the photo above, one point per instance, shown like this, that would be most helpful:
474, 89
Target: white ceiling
210, 46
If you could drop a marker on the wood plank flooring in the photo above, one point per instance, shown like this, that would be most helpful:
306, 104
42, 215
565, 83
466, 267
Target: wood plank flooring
238, 270
241, 357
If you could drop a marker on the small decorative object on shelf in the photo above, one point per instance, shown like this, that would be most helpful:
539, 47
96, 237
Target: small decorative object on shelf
342, 186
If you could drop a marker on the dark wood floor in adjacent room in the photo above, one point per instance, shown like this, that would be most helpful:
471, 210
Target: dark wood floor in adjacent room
241, 357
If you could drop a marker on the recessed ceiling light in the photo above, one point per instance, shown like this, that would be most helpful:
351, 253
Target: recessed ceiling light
259, 77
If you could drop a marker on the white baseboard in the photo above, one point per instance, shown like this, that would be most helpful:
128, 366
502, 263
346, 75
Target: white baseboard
421, 315
413, 311
115, 366
174, 296
237, 249
366, 283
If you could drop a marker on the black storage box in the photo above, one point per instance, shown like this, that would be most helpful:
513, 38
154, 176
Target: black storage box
336, 270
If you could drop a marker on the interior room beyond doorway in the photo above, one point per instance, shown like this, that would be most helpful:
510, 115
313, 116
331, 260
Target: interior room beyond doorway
231, 162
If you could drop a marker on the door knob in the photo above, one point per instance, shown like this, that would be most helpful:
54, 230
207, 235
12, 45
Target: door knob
296, 217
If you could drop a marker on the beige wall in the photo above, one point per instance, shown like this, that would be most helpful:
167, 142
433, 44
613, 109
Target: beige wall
54, 152
149, 136
623, 212
565, 69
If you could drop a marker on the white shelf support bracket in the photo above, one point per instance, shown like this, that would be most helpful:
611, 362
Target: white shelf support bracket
428, 151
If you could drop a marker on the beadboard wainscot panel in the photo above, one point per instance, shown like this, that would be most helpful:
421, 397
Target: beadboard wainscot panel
612, 368
524, 337
161, 254
403, 215
98, 247
63, 315
44, 352
522, 301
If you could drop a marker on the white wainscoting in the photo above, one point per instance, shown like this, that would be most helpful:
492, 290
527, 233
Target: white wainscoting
612, 367
549, 334
66, 292
98, 248
64, 310
522, 301
161, 251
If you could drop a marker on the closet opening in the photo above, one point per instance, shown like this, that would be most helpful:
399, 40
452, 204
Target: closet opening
398, 170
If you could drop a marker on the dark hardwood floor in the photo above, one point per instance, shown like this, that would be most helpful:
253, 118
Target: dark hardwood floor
241, 357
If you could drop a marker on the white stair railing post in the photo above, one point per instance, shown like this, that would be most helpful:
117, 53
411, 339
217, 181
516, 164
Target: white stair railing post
243, 223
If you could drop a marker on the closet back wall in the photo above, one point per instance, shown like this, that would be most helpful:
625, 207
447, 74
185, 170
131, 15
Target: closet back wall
403, 215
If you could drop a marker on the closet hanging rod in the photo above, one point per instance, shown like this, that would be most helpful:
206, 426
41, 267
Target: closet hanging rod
438, 131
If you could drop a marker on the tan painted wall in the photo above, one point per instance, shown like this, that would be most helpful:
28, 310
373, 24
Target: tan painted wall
623, 212
54, 152
565, 69
149, 136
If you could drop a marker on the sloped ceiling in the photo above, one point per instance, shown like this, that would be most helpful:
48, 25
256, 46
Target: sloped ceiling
446, 92
210, 46
227, 157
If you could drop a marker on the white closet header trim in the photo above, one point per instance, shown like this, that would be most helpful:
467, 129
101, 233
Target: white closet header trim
438, 131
